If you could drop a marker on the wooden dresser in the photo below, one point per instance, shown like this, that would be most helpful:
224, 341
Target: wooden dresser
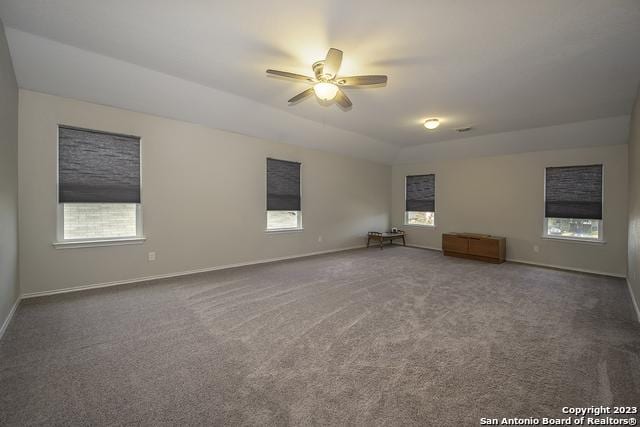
482, 247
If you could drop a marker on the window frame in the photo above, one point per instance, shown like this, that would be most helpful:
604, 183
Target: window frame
405, 217
406, 220
600, 239
60, 241
571, 239
299, 226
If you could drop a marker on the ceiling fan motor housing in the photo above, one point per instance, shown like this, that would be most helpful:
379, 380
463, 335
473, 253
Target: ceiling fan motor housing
318, 68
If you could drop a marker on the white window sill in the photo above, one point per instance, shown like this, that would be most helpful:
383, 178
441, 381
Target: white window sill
71, 244
575, 240
420, 225
283, 230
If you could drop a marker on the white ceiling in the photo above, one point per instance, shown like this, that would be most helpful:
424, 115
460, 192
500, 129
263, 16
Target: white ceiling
497, 65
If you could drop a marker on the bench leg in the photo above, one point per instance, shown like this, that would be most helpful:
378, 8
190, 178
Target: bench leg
403, 242
380, 243
368, 240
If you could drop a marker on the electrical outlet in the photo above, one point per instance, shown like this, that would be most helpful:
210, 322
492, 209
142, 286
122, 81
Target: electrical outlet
319, 239
152, 256
536, 248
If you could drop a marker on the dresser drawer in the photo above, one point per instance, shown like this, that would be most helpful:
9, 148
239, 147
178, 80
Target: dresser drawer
455, 244
484, 247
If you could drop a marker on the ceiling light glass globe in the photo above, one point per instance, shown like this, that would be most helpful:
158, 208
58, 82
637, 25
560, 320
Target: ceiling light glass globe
325, 91
432, 124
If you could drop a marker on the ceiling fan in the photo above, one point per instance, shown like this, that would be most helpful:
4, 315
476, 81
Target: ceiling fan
326, 83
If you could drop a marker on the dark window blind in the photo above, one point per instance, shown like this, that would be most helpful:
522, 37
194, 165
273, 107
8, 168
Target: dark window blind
97, 167
574, 192
283, 185
421, 193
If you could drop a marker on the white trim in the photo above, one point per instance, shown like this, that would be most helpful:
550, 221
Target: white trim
561, 267
419, 225
633, 300
182, 273
72, 244
5, 325
431, 248
538, 264
574, 239
283, 230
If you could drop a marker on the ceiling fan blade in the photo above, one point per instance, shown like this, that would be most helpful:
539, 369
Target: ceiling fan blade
332, 62
343, 100
362, 80
291, 75
302, 95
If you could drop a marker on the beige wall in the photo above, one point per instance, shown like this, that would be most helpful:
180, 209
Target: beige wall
633, 273
195, 219
9, 291
203, 198
504, 195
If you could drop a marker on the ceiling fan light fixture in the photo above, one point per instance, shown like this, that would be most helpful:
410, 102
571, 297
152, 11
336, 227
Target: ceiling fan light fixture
431, 124
326, 82
325, 91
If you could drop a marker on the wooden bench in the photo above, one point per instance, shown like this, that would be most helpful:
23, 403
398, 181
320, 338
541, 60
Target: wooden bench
388, 236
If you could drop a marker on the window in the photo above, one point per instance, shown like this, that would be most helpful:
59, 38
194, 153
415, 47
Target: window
573, 202
420, 200
283, 195
98, 186
419, 218
99, 220
282, 220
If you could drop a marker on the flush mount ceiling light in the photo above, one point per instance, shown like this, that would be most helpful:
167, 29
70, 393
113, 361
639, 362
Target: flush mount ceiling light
431, 124
327, 85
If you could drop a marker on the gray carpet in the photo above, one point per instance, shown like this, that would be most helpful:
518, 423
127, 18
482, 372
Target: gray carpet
367, 337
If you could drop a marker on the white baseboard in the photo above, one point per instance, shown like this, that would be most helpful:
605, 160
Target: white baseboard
431, 248
181, 273
264, 261
538, 264
634, 300
5, 325
562, 267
